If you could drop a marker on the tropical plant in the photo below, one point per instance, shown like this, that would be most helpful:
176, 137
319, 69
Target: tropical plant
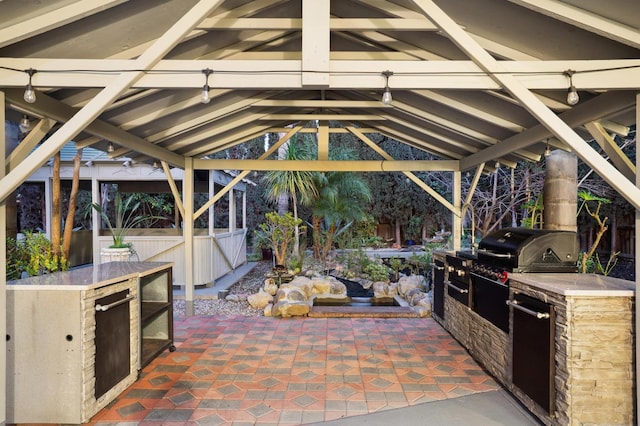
296, 184
126, 218
342, 198
588, 201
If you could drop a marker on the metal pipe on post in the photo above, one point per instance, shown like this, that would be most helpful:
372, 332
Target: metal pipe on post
560, 194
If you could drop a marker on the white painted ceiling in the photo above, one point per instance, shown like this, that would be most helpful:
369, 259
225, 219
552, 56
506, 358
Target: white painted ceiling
260, 52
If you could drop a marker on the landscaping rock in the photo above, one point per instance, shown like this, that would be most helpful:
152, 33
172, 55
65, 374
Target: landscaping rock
411, 281
338, 288
422, 311
260, 300
382, 289
270, 286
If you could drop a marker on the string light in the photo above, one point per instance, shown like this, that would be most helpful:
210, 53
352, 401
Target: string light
386, 94
29, 93
572, 94
25, 124
204, 96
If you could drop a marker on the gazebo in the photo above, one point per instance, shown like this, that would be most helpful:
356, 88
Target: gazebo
219, 248
174, 81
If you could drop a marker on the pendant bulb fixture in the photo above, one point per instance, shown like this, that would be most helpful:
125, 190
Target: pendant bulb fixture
110, 147
572, 94
547, 150
387, 98
25, 124
205, 98
29, 93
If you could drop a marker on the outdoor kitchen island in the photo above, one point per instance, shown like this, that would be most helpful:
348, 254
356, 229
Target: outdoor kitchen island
568, 351
77, 339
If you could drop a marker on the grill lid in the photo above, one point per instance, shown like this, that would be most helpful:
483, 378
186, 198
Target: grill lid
530, 250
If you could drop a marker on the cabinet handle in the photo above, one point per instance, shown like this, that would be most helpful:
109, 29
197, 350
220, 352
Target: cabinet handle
103, 308
458, 289
539, 315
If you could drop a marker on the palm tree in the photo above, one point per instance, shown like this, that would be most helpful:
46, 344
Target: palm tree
342, 199
298, 185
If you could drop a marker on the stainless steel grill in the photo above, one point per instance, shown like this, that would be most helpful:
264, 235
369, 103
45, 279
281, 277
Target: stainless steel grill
516, 250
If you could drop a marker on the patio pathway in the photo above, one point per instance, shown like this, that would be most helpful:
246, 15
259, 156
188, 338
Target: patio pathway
248, 370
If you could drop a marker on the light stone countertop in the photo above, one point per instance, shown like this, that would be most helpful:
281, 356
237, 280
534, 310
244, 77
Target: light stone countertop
575, 284
89, 277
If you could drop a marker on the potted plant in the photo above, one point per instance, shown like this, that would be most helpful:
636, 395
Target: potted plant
125, 219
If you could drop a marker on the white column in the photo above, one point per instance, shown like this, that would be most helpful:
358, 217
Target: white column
3, 277
456, 222
95, 220
244, 209
187, 232
637, 257
212, 192
232, 210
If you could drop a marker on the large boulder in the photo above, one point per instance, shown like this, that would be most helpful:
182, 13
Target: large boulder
382, 289
302, 283
291, 300
260, 300
406, 283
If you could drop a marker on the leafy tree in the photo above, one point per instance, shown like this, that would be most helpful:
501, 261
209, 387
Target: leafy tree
280, 231
296, 184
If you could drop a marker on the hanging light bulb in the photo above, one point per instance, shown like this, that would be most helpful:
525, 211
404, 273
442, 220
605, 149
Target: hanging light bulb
155, 165
547, 150
204, 96
110, 147
25, 124
29, 93
386, 94
572, 94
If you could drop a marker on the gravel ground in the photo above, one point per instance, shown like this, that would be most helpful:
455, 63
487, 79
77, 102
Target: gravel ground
246, 286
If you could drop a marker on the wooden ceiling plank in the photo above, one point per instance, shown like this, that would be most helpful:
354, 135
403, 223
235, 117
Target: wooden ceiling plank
584, 19
53, 19
546, 117
315, 43
90, 112
609, 146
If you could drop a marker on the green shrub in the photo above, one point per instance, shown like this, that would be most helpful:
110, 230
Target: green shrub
376, 272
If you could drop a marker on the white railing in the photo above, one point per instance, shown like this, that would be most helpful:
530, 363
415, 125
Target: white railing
213, 255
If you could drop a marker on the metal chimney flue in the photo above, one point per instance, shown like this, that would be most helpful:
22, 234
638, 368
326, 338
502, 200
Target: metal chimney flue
560, 196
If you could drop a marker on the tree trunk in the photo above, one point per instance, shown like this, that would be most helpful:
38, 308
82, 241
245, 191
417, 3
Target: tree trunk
55, 208
397, 232
317, 244
68, 224
283, 199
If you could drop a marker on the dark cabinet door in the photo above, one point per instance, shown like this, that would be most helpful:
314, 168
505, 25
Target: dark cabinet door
113, 341
533, 349
438, 288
